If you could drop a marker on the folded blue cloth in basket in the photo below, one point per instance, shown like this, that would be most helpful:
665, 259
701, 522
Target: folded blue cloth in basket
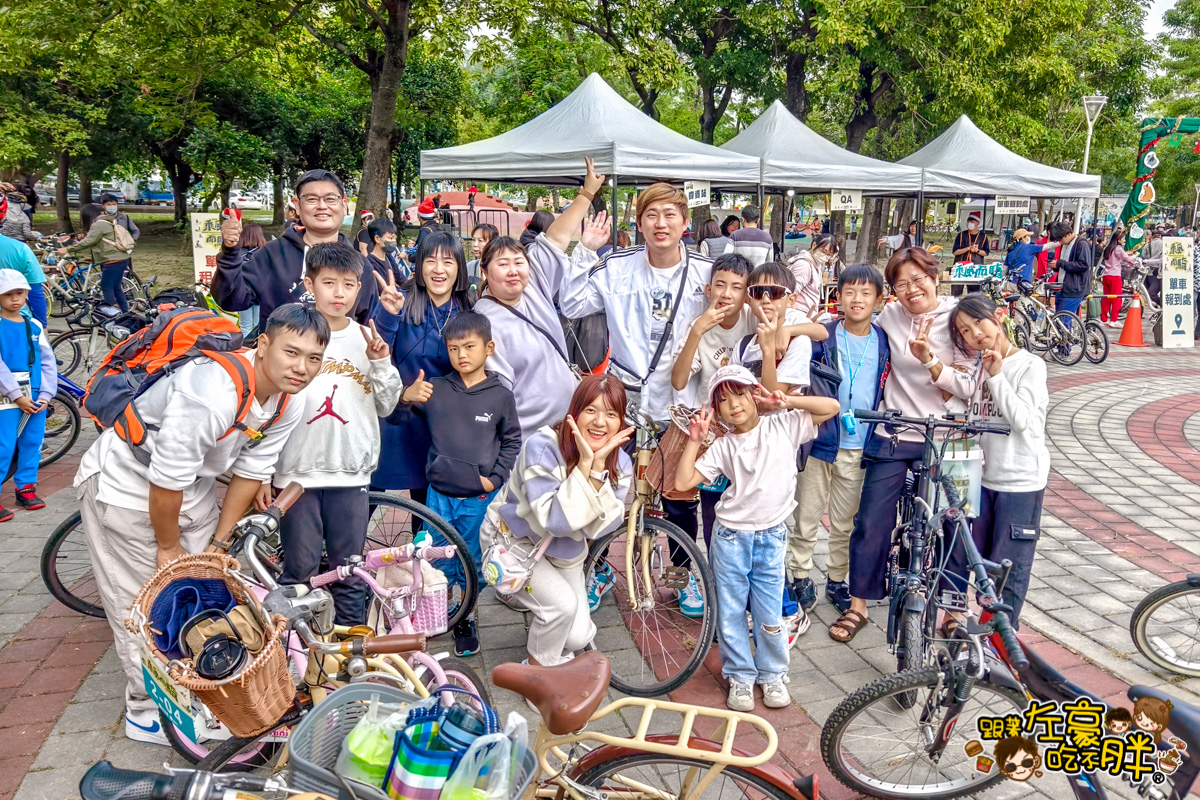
178, 602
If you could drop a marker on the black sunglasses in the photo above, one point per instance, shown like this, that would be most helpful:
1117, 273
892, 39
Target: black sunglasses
767, 290
1012, 767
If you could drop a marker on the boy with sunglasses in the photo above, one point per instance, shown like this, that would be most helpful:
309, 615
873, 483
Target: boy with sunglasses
777, 352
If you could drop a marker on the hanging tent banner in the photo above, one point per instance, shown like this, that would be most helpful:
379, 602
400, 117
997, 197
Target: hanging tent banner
1011, 205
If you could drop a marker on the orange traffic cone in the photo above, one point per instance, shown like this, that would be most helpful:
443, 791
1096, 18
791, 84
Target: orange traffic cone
1131, 334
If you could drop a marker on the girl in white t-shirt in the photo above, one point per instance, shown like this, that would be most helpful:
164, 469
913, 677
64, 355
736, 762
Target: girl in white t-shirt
750, 538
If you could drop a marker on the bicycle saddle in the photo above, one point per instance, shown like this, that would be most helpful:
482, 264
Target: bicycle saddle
565, 695
1185, 718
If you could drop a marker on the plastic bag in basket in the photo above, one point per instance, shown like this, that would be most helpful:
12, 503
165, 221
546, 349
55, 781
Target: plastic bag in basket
367, 751
483, 773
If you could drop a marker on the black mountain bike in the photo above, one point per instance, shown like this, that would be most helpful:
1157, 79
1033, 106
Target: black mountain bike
917, 549
883, 747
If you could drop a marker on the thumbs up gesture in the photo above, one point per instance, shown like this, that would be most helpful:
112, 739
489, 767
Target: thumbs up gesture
419, 391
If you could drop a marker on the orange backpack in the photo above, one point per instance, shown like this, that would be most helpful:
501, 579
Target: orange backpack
177, 337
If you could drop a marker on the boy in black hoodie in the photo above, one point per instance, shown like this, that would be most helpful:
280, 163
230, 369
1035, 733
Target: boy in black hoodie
476, 437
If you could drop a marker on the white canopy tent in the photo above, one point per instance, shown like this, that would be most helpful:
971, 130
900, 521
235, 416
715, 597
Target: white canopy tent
965, 161
592, 121
793, 156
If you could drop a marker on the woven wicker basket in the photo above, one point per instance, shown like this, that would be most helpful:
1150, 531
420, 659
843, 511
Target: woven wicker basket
260, 695
665, 458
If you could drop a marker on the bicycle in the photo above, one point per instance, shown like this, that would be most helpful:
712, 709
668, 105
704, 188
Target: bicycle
94, 333
339, 654
1054, 332
986, 670
636, 560
1016, 323
918, 546
1165, 627
66, 566
573, 761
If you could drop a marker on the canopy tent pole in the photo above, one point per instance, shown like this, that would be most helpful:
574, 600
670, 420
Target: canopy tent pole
921, 215
614, 210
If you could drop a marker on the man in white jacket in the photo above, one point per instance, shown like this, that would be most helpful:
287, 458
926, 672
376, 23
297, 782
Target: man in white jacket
139, 516
650, 294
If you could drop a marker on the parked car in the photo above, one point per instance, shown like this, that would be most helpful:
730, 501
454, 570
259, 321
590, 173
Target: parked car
245, 200
99, 189
45, 196
72, 195
155, 193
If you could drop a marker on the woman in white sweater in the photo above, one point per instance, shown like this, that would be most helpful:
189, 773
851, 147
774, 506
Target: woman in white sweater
570, 483
1016, 466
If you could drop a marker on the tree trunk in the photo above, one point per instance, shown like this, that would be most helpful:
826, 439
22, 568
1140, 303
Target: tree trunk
713, 110
60, 191
775, 211
795, 76
277, 201
700, 215
385, 87
867, 248
85, 189
904, 215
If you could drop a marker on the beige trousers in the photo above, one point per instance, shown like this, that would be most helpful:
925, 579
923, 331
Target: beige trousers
838, 486
124, 551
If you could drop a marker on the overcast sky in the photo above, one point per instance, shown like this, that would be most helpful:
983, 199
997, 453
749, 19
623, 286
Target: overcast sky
1154, 15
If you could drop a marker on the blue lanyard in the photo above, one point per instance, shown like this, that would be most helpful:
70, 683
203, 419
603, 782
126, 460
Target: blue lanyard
861, 356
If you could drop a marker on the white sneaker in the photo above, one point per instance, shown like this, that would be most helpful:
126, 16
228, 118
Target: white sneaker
145, 726
797, 625
775, 695
741, 696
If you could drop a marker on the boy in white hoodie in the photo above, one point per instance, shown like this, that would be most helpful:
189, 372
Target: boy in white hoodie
335, 447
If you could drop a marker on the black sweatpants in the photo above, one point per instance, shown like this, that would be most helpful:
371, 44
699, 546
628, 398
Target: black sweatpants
871, 538
681, 513
335, 520
1008, 526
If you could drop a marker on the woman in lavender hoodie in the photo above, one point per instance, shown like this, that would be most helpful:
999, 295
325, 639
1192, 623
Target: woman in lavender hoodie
918, 384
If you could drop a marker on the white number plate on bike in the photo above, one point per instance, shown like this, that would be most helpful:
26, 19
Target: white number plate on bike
174, 701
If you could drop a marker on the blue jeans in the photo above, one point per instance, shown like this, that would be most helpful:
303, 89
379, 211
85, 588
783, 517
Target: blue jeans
111, 276
465, 515
28, 445
748, 565
1071, 304
248, 320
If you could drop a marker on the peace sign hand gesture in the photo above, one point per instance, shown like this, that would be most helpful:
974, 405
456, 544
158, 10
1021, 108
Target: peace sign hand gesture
594, 180
391, 298
377, 348
699, 424
595, 231
919, 345
769, 401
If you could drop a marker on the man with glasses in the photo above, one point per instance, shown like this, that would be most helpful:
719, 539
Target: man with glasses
274, 274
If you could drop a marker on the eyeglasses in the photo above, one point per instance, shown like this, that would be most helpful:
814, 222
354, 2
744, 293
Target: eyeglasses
1012, 766
311, 200
767, 290
915, 283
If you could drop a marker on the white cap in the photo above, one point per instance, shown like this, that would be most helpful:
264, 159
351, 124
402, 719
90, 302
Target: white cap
730, 374
11, 280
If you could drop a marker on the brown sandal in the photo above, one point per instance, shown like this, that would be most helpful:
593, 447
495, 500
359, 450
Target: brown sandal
852, 622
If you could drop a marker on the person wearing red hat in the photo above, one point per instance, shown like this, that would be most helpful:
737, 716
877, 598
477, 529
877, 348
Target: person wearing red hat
970, 245
427, 212
363, 238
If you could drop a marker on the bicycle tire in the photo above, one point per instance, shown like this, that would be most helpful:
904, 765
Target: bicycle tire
1039, 334
81, 362
194, 753
1066, 346
62, 431
461, 601
1095, 342
1022, 330
78, 590
632, 674
657, 768
224, 757
849, 768
1190, 629
458, 673
909, 650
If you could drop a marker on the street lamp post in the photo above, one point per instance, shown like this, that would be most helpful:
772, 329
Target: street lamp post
1092, 104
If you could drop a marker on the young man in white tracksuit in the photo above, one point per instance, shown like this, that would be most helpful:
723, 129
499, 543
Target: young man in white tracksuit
139, 517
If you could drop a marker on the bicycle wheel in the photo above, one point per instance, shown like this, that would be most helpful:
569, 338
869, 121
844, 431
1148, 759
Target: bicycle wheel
1166, 628
61, 305
672, 776
877, 747
458, 673
1066, 338
79, 354
655, 648
263, 755
1039, 330
1095, 342
1022, 335
254, 752
910, 650
394, 521
67, 568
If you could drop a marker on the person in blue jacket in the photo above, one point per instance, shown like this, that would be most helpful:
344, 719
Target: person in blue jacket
436, 292
833, 477
1020, 261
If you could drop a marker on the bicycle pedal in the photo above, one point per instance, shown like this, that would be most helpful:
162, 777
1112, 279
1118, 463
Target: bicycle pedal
675, 577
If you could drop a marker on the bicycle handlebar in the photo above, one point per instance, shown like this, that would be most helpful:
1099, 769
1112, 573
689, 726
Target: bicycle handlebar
290, 494
105, 782
931, 423
1016, 655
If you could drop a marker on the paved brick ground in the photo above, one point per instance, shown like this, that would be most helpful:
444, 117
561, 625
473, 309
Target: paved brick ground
1122, 517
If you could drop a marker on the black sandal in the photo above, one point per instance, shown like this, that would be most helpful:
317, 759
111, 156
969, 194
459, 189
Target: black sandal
852, 622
